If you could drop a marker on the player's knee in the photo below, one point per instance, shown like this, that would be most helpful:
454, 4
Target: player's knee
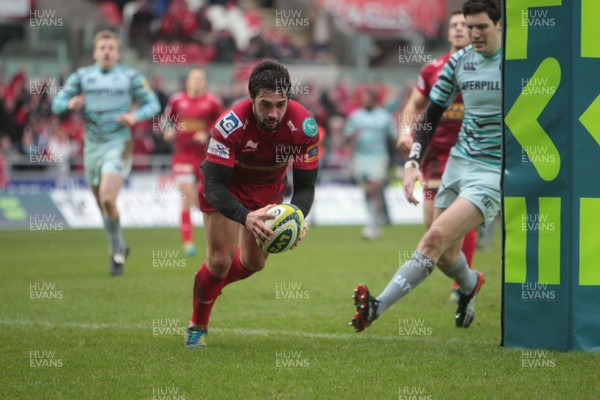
432, 240
186, 204
219, 263
253, 264
107, 203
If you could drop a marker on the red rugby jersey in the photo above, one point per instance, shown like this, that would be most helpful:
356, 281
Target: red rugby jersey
259, 156
189, 115
446, 134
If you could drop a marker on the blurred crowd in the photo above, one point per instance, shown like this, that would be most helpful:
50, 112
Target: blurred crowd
29, 129
204, 30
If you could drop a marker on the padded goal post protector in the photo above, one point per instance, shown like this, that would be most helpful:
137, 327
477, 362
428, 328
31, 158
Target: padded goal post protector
551, 175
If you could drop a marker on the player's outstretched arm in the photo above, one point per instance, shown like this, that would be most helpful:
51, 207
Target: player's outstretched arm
425, 131
412, 174
304, 195
167, 127
423, 137
305, 181
69, 97
145, 96
216, 178
415, 106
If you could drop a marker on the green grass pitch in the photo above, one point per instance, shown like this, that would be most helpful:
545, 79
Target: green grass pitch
69, 331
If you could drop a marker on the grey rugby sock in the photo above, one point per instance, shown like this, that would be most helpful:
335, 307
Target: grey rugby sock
409, 276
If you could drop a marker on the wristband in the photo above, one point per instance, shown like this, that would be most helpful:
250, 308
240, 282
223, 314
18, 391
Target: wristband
411, 164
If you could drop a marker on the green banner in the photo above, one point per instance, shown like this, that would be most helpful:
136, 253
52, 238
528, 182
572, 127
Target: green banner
551, 185
34, 212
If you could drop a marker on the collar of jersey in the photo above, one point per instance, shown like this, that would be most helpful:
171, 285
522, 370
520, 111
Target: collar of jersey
106, 72
493, 55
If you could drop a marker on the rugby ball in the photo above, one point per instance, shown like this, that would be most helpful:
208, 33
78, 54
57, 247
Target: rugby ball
286, 226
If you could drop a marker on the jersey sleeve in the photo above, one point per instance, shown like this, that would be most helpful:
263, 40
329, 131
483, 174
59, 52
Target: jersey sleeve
446, 87
311, 155
423, 82
71, 88
143, 94
308, 137
225, 138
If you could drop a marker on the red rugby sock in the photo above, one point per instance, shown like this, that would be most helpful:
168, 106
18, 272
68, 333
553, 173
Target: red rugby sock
237, 271
468, 247
185, 227
207, 288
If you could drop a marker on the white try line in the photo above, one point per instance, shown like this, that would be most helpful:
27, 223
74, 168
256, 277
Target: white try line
257, 332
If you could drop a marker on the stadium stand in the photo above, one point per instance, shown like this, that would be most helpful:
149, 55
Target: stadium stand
226, 37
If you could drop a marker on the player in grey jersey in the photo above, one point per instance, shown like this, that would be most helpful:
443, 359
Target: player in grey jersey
104, 92
469, 194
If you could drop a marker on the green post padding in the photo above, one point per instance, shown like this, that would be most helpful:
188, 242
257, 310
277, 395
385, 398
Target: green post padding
589, 245
590, 28
515, 211
549, 240
550, 186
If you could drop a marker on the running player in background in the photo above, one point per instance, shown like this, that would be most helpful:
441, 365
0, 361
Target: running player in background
433, 163
369, 129
189, 117
469, 194
104, 92
250, 149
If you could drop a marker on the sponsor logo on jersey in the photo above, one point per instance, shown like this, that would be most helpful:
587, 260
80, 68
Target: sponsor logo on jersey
292, 126
469, 67
415, 151
229, 123
146, 85
480, 85
250, 146
455, 112
487, 203
312, 153
309, 126
218, 149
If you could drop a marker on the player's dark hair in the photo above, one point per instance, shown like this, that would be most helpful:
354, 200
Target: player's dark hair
269, 75
455, 12
372, 92
491, 7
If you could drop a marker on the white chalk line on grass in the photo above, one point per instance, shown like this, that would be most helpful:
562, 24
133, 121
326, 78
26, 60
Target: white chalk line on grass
255, 332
